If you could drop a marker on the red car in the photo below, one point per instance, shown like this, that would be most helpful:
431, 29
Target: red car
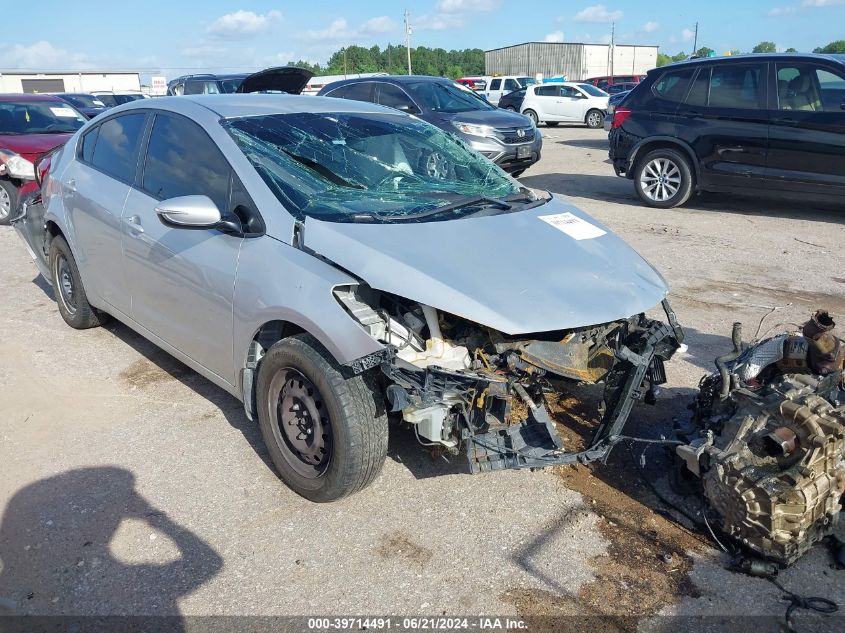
609, 80
30, 125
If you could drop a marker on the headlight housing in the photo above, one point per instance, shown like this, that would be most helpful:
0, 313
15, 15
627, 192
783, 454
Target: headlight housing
473, 130
16, 166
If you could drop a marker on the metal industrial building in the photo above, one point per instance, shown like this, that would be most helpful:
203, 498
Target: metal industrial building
69, 81
575, 61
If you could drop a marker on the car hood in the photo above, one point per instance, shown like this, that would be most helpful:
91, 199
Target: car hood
493, 118
513, 272
287, 79
31, 146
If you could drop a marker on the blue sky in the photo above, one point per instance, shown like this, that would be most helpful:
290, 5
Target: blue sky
172, 37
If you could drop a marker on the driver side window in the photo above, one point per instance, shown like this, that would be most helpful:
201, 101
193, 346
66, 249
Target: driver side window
394, 97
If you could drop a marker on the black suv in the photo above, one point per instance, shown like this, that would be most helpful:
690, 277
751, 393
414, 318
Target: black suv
750, 123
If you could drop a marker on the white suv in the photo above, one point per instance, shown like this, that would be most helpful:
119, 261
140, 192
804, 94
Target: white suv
571, 102
497, 87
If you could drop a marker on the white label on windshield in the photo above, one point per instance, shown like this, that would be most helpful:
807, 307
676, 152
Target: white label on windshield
65, 112
573, 226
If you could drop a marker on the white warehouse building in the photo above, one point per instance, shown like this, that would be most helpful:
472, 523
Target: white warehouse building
575, 61
69, 81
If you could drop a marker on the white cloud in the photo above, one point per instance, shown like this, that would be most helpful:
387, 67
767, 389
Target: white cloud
687, 35
822, 3
805, 4
649, 27
557, 36
437, 22
43, 56
465, 6
340, 32
376, 26
779, 11
597, 13
242, 23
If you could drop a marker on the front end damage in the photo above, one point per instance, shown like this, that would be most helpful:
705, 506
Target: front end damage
477, 391
767, 440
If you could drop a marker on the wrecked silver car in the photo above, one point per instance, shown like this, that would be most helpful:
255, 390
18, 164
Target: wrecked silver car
335, 263
767, 440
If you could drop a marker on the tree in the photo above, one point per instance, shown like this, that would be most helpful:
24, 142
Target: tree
704, 51
791, 50
765, 47
834, 47
663, 59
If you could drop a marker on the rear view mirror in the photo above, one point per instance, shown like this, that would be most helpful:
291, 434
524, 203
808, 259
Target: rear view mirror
191, 212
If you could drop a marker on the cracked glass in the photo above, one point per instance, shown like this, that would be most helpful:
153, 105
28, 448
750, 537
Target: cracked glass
369, 167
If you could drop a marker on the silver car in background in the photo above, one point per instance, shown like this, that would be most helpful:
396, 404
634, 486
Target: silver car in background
334, 263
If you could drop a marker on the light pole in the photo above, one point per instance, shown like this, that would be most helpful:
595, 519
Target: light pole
408, 37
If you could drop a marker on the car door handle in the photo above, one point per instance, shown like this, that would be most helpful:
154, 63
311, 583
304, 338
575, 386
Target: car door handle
134, 223
71, 185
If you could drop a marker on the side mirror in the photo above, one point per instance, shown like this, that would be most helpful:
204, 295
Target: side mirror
194, 212
408, 108
842, 105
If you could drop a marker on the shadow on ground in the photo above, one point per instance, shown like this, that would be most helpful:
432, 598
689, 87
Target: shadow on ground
57, 552
611, 188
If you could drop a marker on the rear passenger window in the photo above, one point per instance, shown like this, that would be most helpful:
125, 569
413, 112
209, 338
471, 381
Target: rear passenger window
183, 161
116, 149
362, 91
547, 91
673, 85
394, 97
737, 86
496, 84
698, 94
511, 85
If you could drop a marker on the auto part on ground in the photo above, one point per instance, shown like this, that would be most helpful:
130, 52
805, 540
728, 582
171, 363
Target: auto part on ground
468, 387
767, 440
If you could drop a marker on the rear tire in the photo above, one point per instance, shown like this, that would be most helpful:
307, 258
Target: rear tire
8, 201
326, 433
70, 293
533, 116
594, 119
663, 178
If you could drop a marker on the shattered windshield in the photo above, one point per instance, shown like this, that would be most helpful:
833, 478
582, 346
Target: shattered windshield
371, 167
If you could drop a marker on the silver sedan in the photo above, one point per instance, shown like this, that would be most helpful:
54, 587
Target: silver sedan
335, 264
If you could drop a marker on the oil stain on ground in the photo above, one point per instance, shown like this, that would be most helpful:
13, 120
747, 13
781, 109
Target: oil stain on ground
400, 546
144, 373
648, 561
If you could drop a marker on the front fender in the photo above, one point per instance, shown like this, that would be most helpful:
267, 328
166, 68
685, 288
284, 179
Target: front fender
279, 282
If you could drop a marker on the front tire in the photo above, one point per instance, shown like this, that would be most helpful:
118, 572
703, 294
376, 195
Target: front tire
533, 116
68, 288
663, 178
326, 433
8, 201
594, 119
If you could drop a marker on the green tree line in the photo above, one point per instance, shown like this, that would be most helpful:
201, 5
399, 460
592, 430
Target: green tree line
763, 47
393, 60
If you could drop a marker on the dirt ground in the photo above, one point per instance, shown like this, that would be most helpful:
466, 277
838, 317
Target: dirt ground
130, 485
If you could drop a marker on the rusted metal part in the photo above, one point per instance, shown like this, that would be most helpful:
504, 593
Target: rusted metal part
771, 454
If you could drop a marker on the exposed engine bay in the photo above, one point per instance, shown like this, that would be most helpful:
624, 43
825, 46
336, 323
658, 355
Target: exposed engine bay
767, 440
475, 390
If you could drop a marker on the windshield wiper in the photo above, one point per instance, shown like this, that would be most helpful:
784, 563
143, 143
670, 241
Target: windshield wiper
460, 204
324, 171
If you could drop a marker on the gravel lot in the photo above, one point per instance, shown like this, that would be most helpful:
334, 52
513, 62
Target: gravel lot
130, 485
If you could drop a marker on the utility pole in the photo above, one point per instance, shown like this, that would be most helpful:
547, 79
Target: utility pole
612, 46
345, 69
408, 37
695, 41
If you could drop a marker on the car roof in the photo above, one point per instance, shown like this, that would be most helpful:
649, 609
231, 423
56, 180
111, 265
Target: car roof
241, 105
27, 97
736, 59
391, 79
